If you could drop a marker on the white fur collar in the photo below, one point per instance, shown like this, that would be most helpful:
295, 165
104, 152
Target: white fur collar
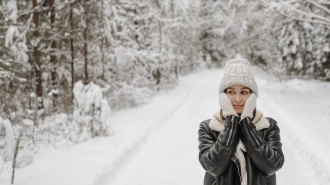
218, 124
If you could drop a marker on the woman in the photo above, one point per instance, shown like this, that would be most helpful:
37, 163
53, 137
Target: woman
238, 146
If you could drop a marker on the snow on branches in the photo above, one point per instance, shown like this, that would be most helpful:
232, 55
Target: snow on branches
91, 112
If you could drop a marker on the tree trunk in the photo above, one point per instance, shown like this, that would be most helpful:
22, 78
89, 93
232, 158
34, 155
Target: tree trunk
160, 36
72, 50
176, 67
37, 56
15, 157
53, 58
102, 38
157, 76
85, 41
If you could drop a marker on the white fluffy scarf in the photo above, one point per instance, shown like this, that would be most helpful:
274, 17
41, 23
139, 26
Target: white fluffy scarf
218, 124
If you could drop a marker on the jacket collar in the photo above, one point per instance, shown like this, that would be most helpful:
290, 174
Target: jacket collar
218, 124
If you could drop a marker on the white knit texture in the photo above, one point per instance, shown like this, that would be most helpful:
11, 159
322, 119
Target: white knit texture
249, 106
226, 106
238, 72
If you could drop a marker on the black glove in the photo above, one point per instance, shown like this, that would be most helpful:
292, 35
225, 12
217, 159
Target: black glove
250, 137
230, 135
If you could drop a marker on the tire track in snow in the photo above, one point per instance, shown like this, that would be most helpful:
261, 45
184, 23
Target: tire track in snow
125, 161
305, 155
159, 159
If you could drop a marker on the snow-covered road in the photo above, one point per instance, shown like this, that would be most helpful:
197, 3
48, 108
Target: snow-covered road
157, 143
169, 156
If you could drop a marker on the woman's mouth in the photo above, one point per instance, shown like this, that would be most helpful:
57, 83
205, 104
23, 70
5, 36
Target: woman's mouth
238, 106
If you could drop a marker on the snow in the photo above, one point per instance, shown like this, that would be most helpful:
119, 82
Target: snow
12, 8
15, 40
90, 106
11, 33
87, 95
303, 110
35, 42
9, 139
4, 63
157, 143
32, 95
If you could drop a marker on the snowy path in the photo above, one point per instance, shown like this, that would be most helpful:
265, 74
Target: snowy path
157, 143
169, 155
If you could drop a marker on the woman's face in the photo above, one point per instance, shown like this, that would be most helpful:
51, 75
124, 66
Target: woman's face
238, 94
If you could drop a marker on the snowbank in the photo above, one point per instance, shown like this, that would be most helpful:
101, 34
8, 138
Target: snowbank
93, 161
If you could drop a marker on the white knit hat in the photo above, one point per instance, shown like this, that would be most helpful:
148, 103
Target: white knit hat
238, 72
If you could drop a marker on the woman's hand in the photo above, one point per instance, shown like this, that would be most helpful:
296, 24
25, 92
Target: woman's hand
226, 106
229, 136
249, 135
249, 107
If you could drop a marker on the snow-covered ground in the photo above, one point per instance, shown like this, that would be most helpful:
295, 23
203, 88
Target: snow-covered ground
157, 143
302, 109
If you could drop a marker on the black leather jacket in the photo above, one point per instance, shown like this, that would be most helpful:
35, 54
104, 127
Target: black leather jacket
222, 166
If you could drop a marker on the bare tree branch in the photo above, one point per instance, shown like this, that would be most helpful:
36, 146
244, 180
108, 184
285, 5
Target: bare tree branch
301, 15
319, 6
304, 19
310, 14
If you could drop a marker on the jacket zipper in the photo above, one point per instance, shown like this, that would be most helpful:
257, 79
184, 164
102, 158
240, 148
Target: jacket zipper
231, 130
254, 136
236, 161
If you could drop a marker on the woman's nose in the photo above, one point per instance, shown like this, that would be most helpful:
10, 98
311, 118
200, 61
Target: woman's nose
238, 98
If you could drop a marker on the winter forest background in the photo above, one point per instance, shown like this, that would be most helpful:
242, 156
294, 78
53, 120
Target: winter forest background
75, 59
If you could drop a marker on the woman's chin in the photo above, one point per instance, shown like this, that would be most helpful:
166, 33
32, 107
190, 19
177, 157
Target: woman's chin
238, 111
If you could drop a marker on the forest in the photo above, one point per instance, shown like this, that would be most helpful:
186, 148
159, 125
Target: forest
82, 59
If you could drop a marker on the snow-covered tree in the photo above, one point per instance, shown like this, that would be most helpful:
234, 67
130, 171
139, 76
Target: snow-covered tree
236, 27
7, 132
91, 112
295, 45
304, 37
14, 61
